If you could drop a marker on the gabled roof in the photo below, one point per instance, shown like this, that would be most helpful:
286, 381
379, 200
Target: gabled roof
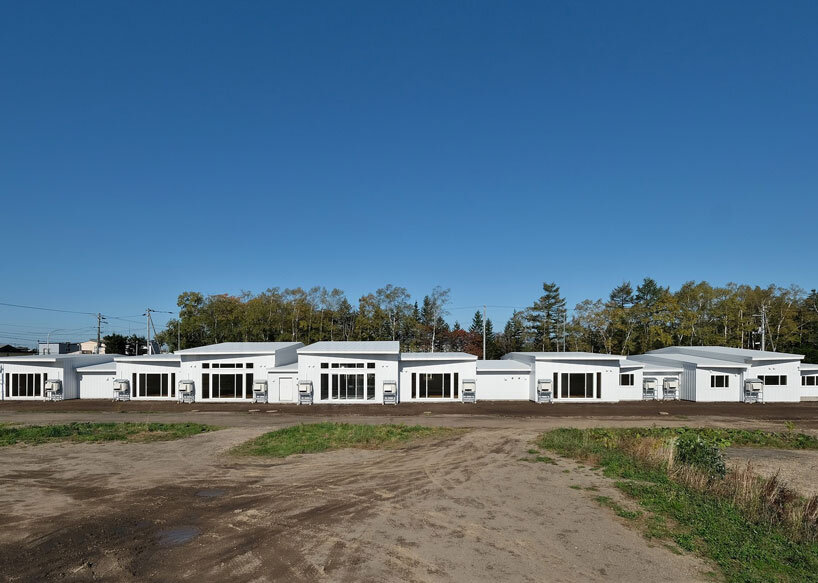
414, 356
514, 366
665, 358
238, 348
729, 353
354, 347
566, 356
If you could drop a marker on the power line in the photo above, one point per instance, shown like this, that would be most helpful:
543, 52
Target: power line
46, 309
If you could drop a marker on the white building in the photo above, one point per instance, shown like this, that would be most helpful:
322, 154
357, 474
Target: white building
658, 371
348, 372
226, 372
809, 382
435, 376
97, 380
23, 377
581, 376
503, 380
150, 376
717, 373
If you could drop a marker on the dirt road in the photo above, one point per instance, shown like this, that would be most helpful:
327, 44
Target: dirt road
462, 509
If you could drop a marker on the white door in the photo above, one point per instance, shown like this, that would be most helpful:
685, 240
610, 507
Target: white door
285, 389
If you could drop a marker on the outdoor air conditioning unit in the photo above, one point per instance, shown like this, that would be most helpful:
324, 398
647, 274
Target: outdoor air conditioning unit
260, 391
53, 390
649, 386
753, 391
670, 389
305, 392
469, 391
186, 392
122, 390
390, 392
544, 392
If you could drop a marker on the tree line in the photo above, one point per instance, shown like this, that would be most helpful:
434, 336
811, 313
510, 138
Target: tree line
630, 320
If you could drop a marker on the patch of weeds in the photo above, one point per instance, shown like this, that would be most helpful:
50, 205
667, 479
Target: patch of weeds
533, 451
747, 546
99, 432
575, 487
546, 460
619, 510
318, 437
592, 488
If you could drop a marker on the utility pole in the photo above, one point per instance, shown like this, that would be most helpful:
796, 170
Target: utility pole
484, 331
564, 318
148, 336
763, 326
100, 319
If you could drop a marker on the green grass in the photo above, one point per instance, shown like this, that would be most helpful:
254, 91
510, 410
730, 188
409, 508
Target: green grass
617, 508
318, 437
746, 550
97, 432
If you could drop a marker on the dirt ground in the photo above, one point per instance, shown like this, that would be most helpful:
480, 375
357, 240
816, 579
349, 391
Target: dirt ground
460, 509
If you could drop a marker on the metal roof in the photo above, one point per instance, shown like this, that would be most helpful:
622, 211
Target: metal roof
566, 355
703, 361
101, 367
437, 356
54, 358
166, 357
727, 352
655, 367
353, 347
502, 366
806, 367
239, 348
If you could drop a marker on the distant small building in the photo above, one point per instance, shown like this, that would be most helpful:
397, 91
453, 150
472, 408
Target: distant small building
52, 348
90, 347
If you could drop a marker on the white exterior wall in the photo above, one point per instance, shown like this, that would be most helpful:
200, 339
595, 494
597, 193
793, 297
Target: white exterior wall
386, 369
503, 385
789, 393
191, 369
126, 370
53, 370
808, 392
612, 391
466, 370
281, 385
96, 385
705, 393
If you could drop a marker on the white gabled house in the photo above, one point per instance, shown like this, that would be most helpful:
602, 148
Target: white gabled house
717, 373
435, 376
503, 380
226, 372
580, 376
348, 372
24, 377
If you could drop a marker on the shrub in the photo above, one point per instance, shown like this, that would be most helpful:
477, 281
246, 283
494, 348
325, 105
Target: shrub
692, 449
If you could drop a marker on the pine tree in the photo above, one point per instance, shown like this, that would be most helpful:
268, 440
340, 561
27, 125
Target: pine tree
545, 318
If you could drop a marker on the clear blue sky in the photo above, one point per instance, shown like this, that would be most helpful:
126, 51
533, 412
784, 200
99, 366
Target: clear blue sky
151, 148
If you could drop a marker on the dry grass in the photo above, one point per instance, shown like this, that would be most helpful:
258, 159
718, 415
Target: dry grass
768, 500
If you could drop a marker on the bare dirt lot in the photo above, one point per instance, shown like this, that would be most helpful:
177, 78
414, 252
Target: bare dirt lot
460, 509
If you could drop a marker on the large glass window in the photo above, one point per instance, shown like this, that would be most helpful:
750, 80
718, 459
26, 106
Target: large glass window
578, 385
155, 384
227, 385
340, 383
25, 384
809, 380
435, 385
